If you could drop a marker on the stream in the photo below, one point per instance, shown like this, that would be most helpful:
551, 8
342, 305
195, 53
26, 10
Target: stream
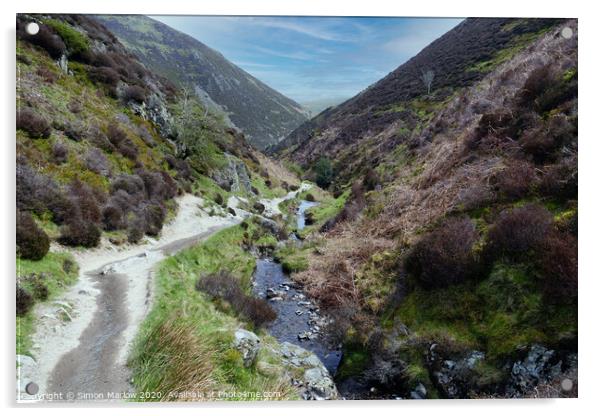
299, 320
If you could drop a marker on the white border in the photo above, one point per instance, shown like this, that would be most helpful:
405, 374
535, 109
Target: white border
590, 127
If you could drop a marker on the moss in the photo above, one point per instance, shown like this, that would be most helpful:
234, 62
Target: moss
498, 315
354, 361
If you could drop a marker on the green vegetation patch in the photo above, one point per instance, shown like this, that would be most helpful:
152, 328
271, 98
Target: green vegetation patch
76, 42
186, 341
44, 279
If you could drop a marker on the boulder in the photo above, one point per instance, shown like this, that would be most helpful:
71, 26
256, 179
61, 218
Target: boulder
319, 385
247, 343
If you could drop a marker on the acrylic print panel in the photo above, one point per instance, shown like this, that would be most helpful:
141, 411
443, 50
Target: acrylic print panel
295, 208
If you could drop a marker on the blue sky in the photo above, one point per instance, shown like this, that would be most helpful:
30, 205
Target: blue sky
314, 58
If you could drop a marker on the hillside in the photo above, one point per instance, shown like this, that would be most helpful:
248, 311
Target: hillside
105, 147
395, 109
448, 253
263, 114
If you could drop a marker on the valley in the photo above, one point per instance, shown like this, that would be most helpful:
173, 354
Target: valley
178, 239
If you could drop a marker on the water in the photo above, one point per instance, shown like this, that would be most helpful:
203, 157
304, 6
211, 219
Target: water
299, 320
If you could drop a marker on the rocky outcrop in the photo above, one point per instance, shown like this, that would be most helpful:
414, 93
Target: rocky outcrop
234, 176
308, 373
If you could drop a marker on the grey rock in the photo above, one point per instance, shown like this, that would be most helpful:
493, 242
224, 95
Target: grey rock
247, 343
319, 385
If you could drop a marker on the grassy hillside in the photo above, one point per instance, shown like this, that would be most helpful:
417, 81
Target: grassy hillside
456, 231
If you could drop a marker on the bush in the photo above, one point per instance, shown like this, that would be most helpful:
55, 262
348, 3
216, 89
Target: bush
97, 162
154, 215
47, 75
104, 75
76, 42
324, 173
223, 286
99, 139
134, 93
371, 179
518, 231
76, 131
445, 256
33, 124
32, 242
136, 229
46, 39
112, 217
80, 233
560, 181
86, 200
24, 301
516, 180
60, 153
557, 262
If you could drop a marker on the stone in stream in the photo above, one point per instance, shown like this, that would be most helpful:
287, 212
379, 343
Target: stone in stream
272, 293
299, 312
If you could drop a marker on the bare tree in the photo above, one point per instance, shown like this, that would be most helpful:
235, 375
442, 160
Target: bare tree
427, 78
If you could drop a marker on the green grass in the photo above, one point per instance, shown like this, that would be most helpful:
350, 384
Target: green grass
328, 208
293, 259
60, 271
180, 309
498, 315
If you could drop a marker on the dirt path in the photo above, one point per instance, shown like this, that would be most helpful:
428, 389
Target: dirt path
81, 342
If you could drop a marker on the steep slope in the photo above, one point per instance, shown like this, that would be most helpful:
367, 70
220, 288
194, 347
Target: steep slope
395, 108
449, 257
103, 147
263, 114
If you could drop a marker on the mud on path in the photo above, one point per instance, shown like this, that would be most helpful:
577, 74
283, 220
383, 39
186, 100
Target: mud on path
82, 340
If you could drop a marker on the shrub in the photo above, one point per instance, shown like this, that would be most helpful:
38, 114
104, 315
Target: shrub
97, 162
222, 285
154, 215
112, 217
445, 256
32, 241
32, 123
24, 301
136, 229
516, 180
76, 131
131, 184
75, 106
100, 140
557, 261
47, 75
104, 75
134, 93
60, 153
128, 149
76, 42
560, 181
371, 179
323, 171
80, 233
518, 231
86, 200
257, 311
46, 39
218, 199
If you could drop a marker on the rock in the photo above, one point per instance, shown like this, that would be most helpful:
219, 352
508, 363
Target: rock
267, 369
456, 378
247, 343
299, 312
538, 366
272, 293
419, 392
319, 385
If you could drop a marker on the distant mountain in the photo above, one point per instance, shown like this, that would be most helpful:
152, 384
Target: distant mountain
315, 107
263, 114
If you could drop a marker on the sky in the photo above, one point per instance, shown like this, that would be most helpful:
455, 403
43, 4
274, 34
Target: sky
314, 59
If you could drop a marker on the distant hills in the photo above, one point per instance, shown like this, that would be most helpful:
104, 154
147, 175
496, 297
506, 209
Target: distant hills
263, 114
